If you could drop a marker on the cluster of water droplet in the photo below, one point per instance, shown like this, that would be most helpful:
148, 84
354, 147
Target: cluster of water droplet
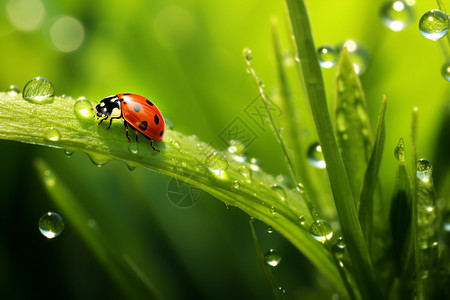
51, 225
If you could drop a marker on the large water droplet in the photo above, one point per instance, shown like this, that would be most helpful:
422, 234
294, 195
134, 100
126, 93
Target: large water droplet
217, 163
434, 24
424, 170
359, 54
327, 56
399, 151
51, 225
321, 231
52, 134
13, 90
83, 108
315, 156
445, 71
272, 257
38, 90
279, 191
237, 151
396, 15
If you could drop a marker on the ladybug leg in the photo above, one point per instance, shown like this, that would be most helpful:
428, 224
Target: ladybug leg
102, 120
151, 144
110, 123
126, 130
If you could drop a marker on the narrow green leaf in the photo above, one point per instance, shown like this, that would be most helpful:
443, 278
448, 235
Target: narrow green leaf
278, 294
371, 178
56, 124
75, 213
352, 123
343, 197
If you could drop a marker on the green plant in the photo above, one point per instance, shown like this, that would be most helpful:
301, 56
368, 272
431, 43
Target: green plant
366, 270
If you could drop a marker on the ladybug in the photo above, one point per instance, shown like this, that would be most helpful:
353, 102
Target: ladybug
138, 112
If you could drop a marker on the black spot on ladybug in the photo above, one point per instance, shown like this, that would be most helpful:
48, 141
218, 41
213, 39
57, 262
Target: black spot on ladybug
137, 107
149, 103
161, 133
143, 125
126, 94
156, 119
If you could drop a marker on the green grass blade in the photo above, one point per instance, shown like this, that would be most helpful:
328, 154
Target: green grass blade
277, 293
181, 156
366, 208
71, 209
352, 123
343, 197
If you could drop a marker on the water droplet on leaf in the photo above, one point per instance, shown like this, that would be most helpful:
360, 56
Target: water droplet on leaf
99, 160
247, 54
83, 109
396, 15
269, 229
445, 71
327, 56
273, 210
315, 156
217, 163
399, 151
246, 172
321, 231
51, 225
133, 148
424, 170
13, 90
237, 151
52, 134
279, 191
272, 257
38, 90
434, 24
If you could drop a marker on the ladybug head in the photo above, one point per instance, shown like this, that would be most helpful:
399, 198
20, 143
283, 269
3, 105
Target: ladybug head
110, 107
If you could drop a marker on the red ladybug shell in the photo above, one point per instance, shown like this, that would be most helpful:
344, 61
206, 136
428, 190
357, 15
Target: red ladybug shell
143, 115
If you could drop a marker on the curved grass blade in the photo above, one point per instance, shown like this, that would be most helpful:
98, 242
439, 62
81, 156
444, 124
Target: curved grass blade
181, 156
357, 248
352, 124
366, 208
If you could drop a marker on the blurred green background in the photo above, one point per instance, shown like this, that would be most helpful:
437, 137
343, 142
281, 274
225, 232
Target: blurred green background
186, 56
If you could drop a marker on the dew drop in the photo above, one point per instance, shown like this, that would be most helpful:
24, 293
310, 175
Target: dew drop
236, 185
269, 229
51, 225
237, 151
169, 124
99, 160
301, 220
279, 191
445, 71
341, 121
13, 90
327, 56
273, 210
396, 15
217, 163
246, 172
399, 151
247, 54
321, 231
254, 164
38, 90
68, 153
131, 167
315, 156
272, 257
133, 148
83, 108
52, 134
340, 243
424, 170
434, 24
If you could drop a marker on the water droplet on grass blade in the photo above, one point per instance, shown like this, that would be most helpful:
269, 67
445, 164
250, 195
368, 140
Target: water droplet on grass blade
38, 90
99, 160
133, 148
315, 156
269, 229
83, 108
279, 191
396, 15
434, 24
399, 151
237, 151
246, 172
272, 257
327, 56
51, 225
247, 54
217, 163
321, 231
424, 170
13, 90
52, 134
445, 71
